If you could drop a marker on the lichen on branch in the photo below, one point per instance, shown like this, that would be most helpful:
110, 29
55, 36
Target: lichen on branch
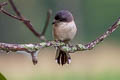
33, 48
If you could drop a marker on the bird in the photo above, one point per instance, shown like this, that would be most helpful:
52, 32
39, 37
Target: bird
64, 30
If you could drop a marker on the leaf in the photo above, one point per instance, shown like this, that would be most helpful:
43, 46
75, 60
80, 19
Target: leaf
2, 77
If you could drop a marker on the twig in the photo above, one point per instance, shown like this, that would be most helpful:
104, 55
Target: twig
49, 13
2, 4
15, 17
15, 9
26, 21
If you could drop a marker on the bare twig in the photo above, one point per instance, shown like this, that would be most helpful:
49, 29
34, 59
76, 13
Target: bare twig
26, 21
7, 13
15, 17
15, 9
3, 4
49, 13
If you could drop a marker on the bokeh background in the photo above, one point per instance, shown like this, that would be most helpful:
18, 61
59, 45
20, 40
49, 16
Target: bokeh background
92, 18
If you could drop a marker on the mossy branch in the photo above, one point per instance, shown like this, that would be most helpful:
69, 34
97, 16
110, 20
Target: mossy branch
33, 48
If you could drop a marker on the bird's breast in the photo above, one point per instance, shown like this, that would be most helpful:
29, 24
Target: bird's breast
64, 30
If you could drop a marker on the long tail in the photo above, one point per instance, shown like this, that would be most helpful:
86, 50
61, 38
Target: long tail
62, 57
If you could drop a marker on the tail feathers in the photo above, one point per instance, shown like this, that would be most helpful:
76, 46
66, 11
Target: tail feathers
62, 57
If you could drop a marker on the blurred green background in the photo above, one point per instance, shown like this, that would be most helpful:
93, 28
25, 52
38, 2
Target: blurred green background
92, 18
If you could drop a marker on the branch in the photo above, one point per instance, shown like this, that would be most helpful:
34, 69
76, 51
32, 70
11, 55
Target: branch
26, 21
33, 49
3, 4
103, 36
15, 17
49, 13
15, 9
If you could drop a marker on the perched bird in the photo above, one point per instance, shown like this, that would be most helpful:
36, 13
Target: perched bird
64, 29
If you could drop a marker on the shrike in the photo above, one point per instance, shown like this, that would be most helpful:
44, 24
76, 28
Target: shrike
64, 29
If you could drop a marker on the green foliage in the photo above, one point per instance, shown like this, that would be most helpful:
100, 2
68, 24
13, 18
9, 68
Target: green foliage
77, 76
2, 77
